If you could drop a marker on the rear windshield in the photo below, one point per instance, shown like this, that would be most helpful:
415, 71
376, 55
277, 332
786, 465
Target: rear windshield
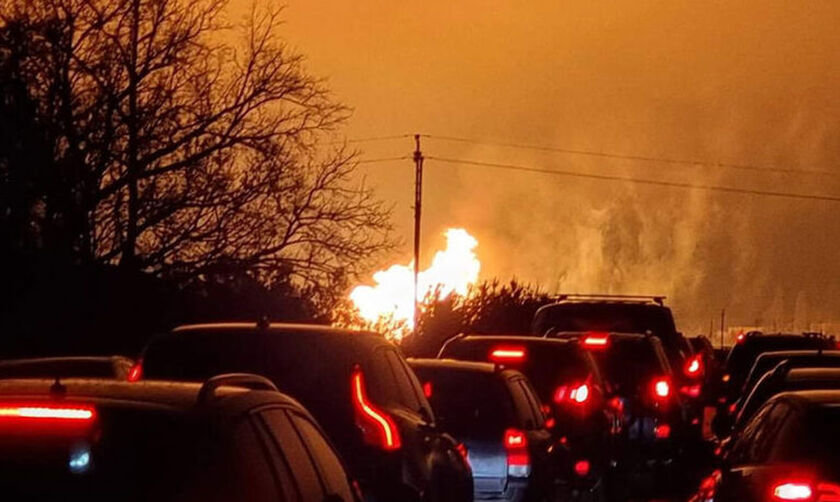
629, 365
813, 440
312, 369
133, 455
469, 404
767, 362
547, 366
605, 317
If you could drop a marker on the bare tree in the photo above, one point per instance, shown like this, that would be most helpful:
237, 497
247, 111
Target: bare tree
190, 146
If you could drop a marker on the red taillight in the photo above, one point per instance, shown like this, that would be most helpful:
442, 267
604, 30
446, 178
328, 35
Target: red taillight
661, 388
36, 412
518, 458
691, 390
740, 338
461, 448
662, 431
507, 354
378, 428
828, 492
733, 408
694, 366
709, 485
596, 340
427, 389
575, 394
136, 372
793, 490
582, 467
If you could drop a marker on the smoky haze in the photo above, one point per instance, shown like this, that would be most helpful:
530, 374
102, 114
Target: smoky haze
743, 82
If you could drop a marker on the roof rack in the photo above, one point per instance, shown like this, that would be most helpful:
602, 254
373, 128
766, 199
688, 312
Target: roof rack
659, 300
246, 380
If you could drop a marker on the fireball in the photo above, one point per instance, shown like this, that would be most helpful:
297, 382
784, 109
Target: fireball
453, 270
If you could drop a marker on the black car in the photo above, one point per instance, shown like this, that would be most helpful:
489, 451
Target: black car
640, 386
495, 413
356, 384
788, 451
232, 439
614, 314
570, 391
785, 378
766, 362
750, 345
68, 367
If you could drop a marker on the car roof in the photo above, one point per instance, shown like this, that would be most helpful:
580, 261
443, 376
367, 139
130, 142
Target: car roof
518, 339
797, 353
812, 398
69, 359
368, 338
171, 395
803, 374
455, 364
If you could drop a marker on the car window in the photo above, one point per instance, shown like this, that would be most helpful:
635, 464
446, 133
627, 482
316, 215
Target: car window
254, 469
530, 394
289, 446
741, 450
523, 406
766, 433
331, 469
417, 388
405, 387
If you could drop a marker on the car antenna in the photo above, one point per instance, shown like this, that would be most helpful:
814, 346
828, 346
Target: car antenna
57, 387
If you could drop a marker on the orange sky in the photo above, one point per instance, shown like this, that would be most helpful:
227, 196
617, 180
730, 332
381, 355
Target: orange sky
753, 82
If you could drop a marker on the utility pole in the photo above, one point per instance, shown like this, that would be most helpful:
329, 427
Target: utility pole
418, 199
722, 322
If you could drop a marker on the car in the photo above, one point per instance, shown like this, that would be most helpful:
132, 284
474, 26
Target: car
766, 362
570, 389
640, 387
789, 451
614, 314
356, 384
785, 377
68, 367
494, 412
750, 345
233, 438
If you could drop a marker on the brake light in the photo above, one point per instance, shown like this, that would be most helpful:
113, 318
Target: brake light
740, 338
662, 431
828, 492
661, 388
136, 372
582, 467
507, 354
461, 448
694, 366
518, 458
709, 485
793, 491
596, 340
427, 389
576, 394
378, 428
77, 413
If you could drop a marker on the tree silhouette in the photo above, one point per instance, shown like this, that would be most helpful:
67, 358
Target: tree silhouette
179, 144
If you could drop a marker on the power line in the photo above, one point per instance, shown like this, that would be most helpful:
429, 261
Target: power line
383, 159
376, 138
640, 158
642, 181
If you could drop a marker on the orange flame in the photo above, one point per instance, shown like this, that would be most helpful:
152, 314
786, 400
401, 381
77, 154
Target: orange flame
454, 269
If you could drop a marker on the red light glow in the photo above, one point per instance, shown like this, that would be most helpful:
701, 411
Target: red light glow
515, 438
582, 467
691, 390
793, 491
507, 354
662, 431
377, 426
580, 394
136, 372
596, 340
661, 388
427, 389
48, 411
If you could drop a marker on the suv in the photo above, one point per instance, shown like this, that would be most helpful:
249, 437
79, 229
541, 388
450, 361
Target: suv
640, 386
496, 414
570, 391
356, 384
104, 440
